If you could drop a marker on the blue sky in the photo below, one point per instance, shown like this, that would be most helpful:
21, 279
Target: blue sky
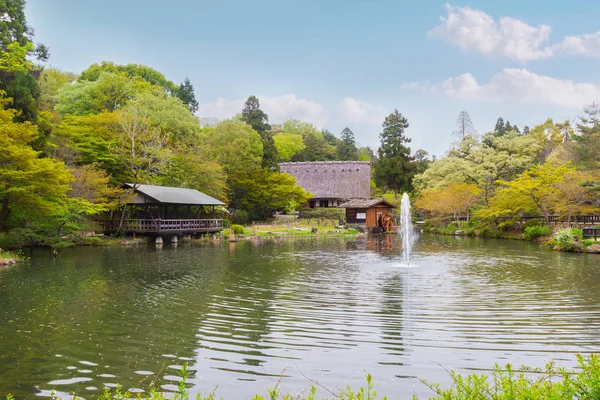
340, 63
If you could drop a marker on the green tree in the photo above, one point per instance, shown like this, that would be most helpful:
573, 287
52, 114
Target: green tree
140, 147
394, 169
132, 71
366, 154
550, 135
261, 192
347, 147
30, 186
472, 161
109, 92
288, 145
185, 93
14, 28
234, 145
51, 80
259, 121
191, 169
588, 136
81, 140
535, 190
169, 114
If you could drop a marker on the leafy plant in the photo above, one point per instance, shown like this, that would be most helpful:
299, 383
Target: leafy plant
237, 229
536, 231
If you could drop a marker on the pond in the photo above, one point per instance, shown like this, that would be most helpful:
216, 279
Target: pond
245, 316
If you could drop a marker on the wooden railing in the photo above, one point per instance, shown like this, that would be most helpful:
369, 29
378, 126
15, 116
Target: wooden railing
166, 226
589, 233
554, 219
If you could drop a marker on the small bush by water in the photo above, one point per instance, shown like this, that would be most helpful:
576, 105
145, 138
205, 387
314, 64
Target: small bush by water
507, 383
568, 239
536, 231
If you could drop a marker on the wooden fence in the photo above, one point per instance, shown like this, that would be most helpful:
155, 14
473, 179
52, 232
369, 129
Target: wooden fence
554, 219
591, 233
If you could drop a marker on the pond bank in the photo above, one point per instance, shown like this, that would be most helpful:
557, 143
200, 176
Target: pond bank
557, 238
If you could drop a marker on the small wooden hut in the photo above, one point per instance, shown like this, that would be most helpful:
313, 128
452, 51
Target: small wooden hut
163, 210
369, 213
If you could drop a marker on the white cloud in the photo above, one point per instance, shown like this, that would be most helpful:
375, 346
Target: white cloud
521, 85
586, 45
411, 86
474, 30
278, 108
354, 111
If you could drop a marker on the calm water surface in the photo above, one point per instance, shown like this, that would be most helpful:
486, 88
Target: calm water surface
244, 316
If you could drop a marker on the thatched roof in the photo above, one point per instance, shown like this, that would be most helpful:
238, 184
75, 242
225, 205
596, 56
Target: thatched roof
367, 203
172, 195
332, 179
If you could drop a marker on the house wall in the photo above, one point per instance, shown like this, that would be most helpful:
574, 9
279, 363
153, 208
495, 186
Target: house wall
373, 214
315, 202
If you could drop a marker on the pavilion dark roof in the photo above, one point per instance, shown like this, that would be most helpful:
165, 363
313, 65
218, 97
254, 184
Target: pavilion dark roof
359, 203
332, 179
172, 195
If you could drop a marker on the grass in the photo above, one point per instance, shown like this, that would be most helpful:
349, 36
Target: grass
15, 255
298, 228
504, 383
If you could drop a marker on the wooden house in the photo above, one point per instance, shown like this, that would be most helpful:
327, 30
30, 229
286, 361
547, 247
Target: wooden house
331, 182
169, 211
369, 213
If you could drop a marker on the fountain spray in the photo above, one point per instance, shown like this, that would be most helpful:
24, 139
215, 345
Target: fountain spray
406, 227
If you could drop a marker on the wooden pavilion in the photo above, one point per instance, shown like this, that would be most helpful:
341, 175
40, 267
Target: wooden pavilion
369, 213
166, 211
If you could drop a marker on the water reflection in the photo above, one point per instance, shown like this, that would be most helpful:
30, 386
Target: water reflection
243, 315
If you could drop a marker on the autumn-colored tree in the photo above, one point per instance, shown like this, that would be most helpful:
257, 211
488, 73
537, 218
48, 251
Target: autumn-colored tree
455, 199
533, 191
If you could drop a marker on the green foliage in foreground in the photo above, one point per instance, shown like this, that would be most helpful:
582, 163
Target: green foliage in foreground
534, 232
506, 383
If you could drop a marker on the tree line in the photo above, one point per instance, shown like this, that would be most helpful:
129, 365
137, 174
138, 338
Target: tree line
497, 177
69, 141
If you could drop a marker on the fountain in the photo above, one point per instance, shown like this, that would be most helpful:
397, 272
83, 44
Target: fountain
406, 228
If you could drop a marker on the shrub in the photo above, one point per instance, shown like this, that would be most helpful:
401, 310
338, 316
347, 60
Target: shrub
240, 217
530, 223
536, 231
323, 213
566, 238
237, 229
588, 242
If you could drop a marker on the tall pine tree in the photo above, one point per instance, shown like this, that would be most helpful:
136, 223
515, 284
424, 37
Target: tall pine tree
395, 168
347, 147
259, 121
186, 94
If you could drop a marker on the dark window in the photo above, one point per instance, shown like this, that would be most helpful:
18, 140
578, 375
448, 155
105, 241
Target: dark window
311, 204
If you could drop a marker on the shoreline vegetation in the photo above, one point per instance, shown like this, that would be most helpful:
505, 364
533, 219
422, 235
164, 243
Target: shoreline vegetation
559, 238
506, 383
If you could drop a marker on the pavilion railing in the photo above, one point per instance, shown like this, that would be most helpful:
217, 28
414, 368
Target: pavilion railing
156, 226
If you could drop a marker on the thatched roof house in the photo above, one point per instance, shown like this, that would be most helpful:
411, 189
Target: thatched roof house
331, 182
